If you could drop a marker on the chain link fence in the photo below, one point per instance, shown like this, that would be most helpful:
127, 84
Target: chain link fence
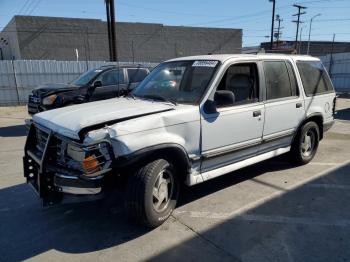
338, 66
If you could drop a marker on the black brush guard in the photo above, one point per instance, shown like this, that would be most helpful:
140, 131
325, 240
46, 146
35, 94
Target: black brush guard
34, 164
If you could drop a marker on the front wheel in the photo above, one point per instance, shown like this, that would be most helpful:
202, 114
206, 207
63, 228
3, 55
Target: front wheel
305, 144
152, 193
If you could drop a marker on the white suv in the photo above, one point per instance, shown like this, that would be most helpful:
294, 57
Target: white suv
192, 119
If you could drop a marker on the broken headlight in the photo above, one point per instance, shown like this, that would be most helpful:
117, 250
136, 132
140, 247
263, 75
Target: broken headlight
90, 160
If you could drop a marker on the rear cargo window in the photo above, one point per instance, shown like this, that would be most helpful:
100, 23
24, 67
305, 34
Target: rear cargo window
314, 77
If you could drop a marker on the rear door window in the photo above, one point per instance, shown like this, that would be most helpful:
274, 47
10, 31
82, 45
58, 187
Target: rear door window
314, 77
278, 84
136, 74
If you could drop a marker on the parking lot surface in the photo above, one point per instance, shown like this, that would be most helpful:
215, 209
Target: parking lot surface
272, 211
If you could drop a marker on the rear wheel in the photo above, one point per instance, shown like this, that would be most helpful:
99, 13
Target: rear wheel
152, 193
305, 144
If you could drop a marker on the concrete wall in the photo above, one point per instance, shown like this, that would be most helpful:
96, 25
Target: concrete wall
57, 38
9, 48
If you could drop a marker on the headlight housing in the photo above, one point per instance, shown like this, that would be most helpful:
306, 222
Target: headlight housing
90, 160
49, 100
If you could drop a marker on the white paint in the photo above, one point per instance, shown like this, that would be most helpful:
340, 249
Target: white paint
70, 120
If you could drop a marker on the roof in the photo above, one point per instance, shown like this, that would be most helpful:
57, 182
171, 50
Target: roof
224, 57
124, 66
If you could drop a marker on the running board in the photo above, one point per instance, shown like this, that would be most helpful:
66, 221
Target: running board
196, 179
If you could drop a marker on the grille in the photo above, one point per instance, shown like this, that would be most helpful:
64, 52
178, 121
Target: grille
41, 139
34, 99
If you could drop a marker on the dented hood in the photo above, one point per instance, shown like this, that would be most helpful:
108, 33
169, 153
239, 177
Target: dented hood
69, 121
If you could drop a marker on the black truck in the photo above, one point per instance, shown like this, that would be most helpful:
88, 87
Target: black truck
97, 84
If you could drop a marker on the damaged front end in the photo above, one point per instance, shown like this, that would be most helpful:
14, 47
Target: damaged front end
62, 170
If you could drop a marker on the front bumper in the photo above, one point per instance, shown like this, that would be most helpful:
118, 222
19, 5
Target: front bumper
55, 184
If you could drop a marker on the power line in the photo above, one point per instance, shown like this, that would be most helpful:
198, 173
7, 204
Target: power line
25, 11
34, 7
23, 6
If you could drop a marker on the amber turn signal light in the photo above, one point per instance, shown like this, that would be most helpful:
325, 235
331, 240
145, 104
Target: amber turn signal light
91, 164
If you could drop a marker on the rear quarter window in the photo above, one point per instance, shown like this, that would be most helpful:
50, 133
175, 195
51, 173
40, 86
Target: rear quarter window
314, 77
136, 74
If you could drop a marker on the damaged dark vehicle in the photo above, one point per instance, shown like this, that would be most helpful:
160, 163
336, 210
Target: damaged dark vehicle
96, 84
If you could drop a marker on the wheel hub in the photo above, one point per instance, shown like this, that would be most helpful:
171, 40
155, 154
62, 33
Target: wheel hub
307, 144
162, 191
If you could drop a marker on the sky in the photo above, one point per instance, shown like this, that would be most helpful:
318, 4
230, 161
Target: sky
253, 16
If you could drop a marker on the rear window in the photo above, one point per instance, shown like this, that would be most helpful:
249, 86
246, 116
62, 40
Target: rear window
136, 74
314, 77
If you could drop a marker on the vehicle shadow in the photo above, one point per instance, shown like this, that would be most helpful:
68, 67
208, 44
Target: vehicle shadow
343, 114
13, 131
306, 223
28, 230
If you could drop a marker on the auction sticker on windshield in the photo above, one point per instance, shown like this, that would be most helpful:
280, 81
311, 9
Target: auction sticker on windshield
204, 63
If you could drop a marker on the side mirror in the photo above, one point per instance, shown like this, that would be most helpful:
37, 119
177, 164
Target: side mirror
97, 84
224, 98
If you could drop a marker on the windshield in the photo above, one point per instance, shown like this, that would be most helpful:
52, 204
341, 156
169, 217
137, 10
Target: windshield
85, 78
180, 82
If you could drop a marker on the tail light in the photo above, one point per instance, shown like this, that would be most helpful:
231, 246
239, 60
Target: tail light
334, 105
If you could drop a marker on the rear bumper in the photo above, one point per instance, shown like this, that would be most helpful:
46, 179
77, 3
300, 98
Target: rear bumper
327, 125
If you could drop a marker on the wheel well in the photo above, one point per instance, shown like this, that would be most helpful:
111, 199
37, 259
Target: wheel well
318, 119
175, 155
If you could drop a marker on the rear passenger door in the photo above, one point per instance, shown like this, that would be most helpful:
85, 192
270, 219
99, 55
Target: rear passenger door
284, 107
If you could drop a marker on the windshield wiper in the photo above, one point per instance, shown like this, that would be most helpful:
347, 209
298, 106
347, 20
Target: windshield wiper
130, 94
161, 98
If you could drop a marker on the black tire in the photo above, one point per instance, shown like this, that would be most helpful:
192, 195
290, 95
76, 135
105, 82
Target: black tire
146, 206
304, 149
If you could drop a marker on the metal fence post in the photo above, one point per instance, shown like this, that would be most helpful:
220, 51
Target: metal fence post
15, 78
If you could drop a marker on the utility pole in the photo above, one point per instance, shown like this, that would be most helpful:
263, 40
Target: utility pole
108, 14
300, 13
331, 58
300, 41
111, 30
308, 43
278, 33
273, 22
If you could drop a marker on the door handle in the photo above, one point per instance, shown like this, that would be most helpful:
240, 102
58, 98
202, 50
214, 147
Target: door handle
257, 113
298, 105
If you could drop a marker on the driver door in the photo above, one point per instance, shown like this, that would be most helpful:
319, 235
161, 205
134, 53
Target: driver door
110, 85
234, 132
